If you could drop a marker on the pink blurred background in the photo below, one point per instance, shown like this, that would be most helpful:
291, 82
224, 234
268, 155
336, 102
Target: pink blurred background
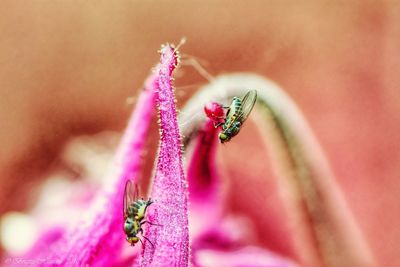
67, 68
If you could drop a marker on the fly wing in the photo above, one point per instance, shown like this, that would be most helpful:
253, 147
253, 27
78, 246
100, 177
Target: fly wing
248, 102
130, 195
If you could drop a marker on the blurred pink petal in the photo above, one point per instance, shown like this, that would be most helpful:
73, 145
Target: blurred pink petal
205, 190
249, 256
322, 226
98, 238
219, 239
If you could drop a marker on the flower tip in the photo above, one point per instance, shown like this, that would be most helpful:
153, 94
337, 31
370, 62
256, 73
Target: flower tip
170, 238
169, 54
214, 111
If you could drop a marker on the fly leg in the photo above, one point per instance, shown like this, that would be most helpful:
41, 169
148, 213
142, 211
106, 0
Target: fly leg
216, 125
148, 240
150, 223
140, 241
141, 232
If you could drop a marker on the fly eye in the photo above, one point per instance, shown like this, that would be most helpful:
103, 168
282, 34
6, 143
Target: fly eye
223, 137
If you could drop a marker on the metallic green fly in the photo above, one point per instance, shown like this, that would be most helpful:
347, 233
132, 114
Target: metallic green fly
237, 113
134, 211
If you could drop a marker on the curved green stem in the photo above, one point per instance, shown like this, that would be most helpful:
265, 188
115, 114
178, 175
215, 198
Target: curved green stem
326, 231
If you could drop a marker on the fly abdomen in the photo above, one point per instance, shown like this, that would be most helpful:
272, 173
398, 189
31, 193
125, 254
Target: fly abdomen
138, 208
237, 102
234, 111
236, 106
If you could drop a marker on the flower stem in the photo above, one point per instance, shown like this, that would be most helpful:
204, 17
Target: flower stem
326, 233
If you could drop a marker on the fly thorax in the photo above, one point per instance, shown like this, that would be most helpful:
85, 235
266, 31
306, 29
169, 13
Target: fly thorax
237, 124
136, 226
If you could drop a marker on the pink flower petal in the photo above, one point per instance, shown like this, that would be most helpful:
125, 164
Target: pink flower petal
169, 190
202, 171
205, 190
99, 237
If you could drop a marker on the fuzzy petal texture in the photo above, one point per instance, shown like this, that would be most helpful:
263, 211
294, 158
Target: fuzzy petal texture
169, 190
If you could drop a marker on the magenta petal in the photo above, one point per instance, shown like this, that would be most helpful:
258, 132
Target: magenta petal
202, 172
98, 239
204, 181
169, 190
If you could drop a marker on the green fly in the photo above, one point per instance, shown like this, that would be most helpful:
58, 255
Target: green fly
237, 113
134, 211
